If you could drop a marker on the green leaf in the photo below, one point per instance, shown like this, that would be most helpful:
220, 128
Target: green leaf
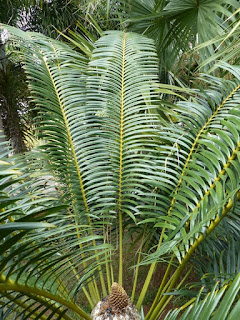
226, 303
25, 226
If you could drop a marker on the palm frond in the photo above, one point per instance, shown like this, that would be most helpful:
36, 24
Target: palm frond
52, 65
128, 131
206, 191
31, 264
177, 26
208, 134
218, 304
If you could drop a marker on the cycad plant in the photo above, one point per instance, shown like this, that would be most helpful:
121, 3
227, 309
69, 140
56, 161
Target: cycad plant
120, 169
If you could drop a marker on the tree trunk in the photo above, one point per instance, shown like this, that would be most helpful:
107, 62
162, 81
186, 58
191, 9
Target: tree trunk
10, 119
2, 68
3, 143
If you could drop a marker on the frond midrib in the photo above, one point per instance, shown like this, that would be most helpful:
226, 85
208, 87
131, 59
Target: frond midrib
12, 286
194, 145
69, 138
121, 160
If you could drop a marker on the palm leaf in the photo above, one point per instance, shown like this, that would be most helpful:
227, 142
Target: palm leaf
218, 304
203, 185
206, 190
30, 262
176, 26
120, 107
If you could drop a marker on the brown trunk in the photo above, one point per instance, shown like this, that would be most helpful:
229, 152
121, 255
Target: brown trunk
11, 123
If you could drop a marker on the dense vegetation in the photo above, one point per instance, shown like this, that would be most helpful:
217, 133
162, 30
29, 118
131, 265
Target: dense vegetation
139, 153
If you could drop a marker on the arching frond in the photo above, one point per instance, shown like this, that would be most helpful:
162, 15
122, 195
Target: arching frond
207, 170
218, 304
207, 159
37, 242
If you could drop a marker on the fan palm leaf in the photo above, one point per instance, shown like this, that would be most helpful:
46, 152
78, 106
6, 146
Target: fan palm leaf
177, 25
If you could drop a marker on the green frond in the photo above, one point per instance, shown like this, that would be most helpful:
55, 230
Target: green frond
175, 24
207, 169
31, 263
120, 99
218, 304
207, 157
121, 104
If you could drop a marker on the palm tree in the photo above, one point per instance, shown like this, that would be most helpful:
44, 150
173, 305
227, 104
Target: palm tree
13, 97
177, 27
122, 162
16, 115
